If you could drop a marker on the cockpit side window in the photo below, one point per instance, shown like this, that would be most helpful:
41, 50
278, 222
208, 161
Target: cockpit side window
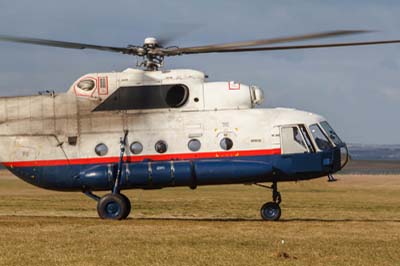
292, 140
297, 136
320, 139
331, 133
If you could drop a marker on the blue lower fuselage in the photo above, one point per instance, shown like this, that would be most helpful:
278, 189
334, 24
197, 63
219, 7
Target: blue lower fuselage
191, 172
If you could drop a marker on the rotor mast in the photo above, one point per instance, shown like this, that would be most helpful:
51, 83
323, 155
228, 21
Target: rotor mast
152, 60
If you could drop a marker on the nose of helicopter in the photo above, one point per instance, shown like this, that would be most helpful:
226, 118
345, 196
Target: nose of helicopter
344, 155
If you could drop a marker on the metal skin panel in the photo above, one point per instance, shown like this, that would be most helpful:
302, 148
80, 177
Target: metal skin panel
36, 134
227, 171
234, 95
39, 115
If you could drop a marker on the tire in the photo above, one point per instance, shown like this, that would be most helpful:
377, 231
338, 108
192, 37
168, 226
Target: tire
270, 211
128, 204
112, 207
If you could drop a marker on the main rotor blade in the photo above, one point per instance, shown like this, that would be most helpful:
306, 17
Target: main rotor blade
70, 45
236, 45
170, 32
310, 46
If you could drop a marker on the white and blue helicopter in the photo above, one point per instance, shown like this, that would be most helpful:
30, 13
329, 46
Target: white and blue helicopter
150, 129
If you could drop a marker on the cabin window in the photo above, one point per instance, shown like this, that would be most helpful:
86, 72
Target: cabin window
292, 140
136, 147
101, 149
161, 146
86, 84
320, 139
226, 144
194, 145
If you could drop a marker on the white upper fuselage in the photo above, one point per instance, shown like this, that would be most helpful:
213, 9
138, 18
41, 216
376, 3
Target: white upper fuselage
65, 127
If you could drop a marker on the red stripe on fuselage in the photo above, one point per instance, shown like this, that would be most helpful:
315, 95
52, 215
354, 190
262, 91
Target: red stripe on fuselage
139, 158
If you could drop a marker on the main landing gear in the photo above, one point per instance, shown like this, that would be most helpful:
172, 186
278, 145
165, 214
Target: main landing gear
271, 211
114, 206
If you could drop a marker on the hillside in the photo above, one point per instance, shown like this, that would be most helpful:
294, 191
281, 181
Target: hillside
374, 152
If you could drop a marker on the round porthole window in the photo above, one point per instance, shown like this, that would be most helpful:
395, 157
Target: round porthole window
161, 146
194, 145
101, 149
226, 144
86, 85
136, 147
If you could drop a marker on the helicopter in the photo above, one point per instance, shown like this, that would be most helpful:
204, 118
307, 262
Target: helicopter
153, 128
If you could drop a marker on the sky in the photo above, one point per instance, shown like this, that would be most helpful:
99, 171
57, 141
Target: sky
356, 88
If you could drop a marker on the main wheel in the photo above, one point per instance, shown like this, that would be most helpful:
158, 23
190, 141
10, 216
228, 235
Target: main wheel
129, 207
113, 207
270, 211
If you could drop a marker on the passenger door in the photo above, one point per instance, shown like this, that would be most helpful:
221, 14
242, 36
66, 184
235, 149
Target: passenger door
297, 150
292, 140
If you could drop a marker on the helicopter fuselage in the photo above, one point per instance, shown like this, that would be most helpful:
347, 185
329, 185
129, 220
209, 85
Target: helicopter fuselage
189, 133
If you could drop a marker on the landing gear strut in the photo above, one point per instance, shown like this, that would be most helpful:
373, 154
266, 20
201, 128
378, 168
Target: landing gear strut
331, 178
114, 206
271, 211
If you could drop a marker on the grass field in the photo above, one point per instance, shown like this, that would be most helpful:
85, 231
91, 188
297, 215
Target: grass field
355, 221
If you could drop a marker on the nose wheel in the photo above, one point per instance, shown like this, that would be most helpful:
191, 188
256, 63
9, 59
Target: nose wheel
271, 211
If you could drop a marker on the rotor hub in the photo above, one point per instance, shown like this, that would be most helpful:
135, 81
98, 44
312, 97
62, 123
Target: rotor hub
150, 42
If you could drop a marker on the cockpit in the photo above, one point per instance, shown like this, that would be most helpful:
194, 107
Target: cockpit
316, 137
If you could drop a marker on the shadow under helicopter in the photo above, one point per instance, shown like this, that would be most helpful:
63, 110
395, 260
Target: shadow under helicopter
211, 219
259, 220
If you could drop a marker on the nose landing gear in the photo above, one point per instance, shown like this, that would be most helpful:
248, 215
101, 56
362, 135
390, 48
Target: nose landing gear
331, 178
271, 211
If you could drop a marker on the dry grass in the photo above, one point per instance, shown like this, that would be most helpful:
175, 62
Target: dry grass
355, 221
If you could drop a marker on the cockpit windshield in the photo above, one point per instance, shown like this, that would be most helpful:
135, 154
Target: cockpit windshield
320, 139
331, 133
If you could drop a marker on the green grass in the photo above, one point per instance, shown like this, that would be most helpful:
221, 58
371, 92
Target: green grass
355, 221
